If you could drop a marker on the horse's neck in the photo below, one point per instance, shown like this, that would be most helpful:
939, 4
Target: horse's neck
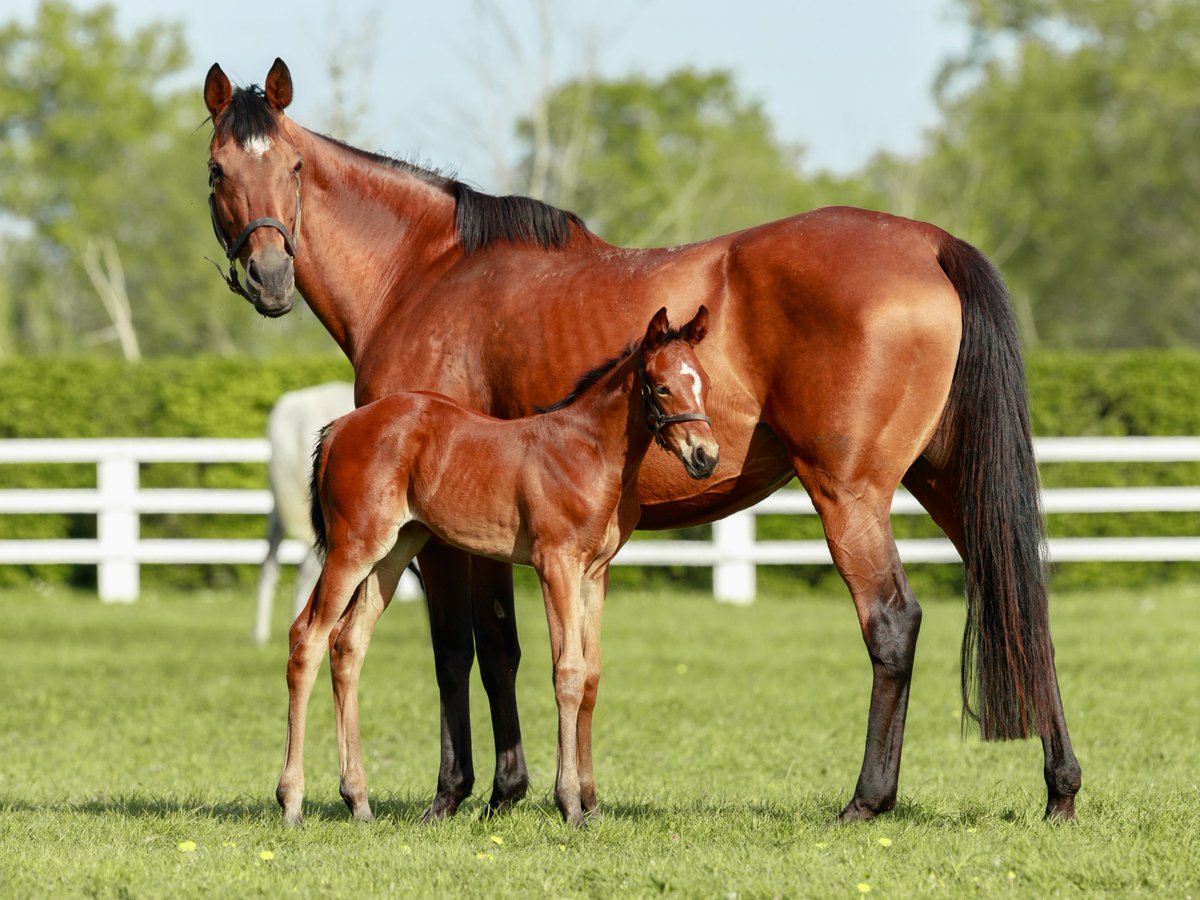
612, 413
366, 226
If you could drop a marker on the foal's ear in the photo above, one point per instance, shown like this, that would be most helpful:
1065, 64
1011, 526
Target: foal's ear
278, 86
695, 330
216, 91
657, 331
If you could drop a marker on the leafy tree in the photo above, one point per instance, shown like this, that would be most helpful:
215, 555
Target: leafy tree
666, 161
1068, 152
103, 224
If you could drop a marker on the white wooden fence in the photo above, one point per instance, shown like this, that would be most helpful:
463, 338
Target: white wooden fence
118, 501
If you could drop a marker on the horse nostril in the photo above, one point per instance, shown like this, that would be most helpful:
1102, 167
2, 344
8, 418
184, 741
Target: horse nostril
252, 272
699, 458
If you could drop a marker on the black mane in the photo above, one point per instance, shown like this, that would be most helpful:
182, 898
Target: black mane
589, 379
480, 219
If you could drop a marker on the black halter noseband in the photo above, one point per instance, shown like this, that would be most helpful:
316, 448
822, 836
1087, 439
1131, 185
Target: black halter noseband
290, 239
656, 419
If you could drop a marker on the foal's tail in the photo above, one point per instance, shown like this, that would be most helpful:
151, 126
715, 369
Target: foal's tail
1007, 656
314, 494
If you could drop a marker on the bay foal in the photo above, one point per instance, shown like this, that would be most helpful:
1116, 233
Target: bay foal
556, 491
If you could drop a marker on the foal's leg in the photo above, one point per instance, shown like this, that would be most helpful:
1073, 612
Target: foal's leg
594, 591
495, 624
446, 571
937, 492
860, 539
308, 637
560, 590
347, 649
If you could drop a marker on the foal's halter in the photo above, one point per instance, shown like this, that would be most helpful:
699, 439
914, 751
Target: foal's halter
290, 239
656, 419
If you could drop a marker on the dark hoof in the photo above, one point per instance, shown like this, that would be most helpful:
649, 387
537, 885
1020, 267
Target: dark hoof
443, 808
1061, 809
857, 811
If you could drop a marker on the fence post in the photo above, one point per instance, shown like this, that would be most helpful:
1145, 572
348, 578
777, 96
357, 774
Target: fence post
117, 528
733, 568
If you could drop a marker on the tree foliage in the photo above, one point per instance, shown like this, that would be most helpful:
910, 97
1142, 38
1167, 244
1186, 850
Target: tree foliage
666, 161
102, 187
1067, 151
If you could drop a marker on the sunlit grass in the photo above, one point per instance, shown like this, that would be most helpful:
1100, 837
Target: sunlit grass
139, 748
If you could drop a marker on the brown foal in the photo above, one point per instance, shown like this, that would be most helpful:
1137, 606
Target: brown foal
556, 491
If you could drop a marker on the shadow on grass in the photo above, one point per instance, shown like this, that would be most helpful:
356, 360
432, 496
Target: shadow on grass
815, 811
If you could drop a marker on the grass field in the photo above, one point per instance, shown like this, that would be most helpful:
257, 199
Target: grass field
140, 745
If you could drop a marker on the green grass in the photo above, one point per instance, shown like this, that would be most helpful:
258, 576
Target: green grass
726, 740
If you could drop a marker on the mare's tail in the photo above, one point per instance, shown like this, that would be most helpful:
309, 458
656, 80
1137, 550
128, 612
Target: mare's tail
1007, 656
314, 495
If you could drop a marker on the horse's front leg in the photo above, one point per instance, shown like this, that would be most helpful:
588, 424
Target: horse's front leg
496, 642
446, 572
594, 590
560, 591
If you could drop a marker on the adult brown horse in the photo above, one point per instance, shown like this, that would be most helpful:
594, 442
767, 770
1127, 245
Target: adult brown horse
560, 495
852, 349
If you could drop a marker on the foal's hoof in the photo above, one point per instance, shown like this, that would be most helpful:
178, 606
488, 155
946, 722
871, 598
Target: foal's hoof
292, 820
363, 816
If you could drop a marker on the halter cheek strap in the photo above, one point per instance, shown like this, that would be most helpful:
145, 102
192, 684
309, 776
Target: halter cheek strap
290, 239
656, 419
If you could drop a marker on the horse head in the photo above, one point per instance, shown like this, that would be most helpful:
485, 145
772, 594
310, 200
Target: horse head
675, 389
254, 172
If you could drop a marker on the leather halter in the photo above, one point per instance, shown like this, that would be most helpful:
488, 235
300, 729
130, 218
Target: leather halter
290, 239
656, 419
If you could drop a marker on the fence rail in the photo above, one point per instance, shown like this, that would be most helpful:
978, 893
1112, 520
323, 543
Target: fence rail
118, 501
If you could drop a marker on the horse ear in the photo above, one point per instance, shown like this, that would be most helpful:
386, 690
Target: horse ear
657, 330
216, 91
695, 330
279, 86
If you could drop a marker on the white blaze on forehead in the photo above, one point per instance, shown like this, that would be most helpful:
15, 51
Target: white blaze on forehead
685, 369
257, 146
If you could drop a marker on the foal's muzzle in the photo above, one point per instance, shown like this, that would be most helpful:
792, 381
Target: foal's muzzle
700, 462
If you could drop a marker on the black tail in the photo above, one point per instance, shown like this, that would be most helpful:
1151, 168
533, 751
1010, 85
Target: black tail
314, 495
1007, 656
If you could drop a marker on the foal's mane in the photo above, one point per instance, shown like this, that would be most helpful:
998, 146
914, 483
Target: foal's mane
592, 376
480, 219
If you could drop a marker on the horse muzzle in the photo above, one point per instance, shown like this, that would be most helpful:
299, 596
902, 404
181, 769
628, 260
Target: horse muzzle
700, 461
270, 282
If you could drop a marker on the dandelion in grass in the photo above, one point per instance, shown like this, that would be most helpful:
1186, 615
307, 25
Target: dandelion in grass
863, 887
821, 845
266, 854
885, 842
187, 846
485, 857
497, 840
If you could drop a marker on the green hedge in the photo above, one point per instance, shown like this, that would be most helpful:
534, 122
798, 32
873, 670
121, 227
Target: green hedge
1123, 393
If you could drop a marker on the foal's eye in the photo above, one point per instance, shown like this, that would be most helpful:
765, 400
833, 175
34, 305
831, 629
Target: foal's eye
663, 390
214, 173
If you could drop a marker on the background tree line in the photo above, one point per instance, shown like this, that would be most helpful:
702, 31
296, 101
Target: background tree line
1066, 150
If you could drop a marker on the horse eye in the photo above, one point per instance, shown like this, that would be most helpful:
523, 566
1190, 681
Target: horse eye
296, 168
663, 390
214, 173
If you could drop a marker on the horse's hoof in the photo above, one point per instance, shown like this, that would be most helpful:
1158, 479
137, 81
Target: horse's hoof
854, 812
363, 816
441, 810
1061, 809
292, 820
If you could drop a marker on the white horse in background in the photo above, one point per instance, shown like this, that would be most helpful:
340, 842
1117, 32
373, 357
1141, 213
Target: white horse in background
292, 429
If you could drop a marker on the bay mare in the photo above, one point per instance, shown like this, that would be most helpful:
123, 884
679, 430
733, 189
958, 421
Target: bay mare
556, 491
852, 349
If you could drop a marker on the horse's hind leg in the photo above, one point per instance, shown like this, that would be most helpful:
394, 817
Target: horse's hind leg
268, 577
347, 649
937, 489
308, 636
859, 532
